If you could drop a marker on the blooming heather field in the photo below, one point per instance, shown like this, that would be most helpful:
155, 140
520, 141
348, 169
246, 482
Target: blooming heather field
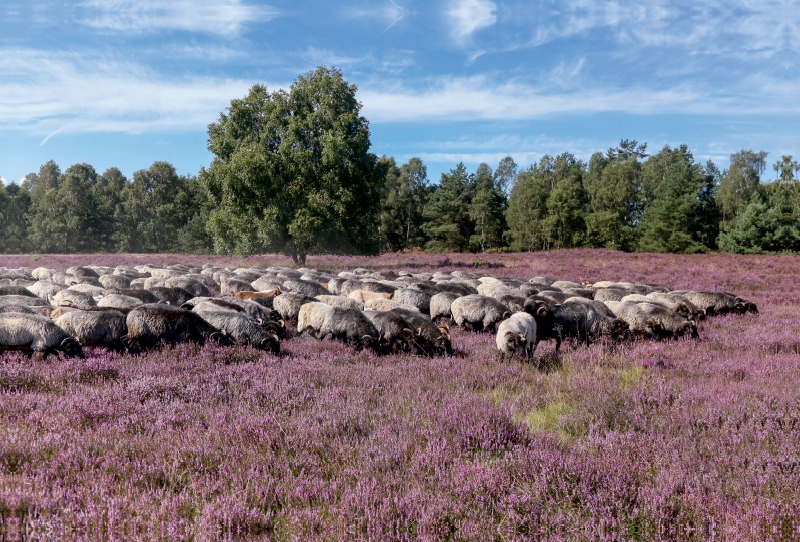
672, 440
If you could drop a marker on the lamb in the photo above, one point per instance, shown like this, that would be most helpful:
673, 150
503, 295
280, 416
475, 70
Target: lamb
413, 297
149, 325
440, 305
516, 336
243, 329
478, 312
36, 334
430, 337
289, 303
561, 321
341, 301
96, 328
639, 322
343, 323
671, 323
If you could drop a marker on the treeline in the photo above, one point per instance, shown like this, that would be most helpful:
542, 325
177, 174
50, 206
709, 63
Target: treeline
622, 199
79, 210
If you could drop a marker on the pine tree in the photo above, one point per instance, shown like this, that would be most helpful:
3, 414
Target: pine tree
447, 220
487, 211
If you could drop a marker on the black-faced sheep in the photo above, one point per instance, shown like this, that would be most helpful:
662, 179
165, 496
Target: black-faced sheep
148, 325
435, 340
558, 322
242, 329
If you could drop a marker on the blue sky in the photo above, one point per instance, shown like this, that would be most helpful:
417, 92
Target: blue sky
126, 82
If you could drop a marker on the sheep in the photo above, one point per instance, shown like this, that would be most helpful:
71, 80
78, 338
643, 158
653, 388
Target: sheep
640, 324
493, 289
310, 289
430, 337
416, 298
70, 280
263, 315
119, 301
513, 302
57, 312
343, 323
311, 316
565, 285
74, 298
149, 325
599, 306
541, 280
253, 296
556, 297
233, 285
153, 282
395, 332
115, 281
288, 304
364, 296
478, 312
96, 328
516, 336
36, 334
17, 308
714, 303
341, 301
611, 294
194, 287
242, 329
265, 283
95, 291
379, 304
561, 321
145, 296
440, 305
588, 293
676, 306
694, 312
16, 290
82, 272
335, 285
370, 286
457, 288
137, 284
670, 322
43, 273
46, 289
171, 296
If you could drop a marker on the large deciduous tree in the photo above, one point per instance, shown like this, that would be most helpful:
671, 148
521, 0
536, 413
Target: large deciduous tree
292, 171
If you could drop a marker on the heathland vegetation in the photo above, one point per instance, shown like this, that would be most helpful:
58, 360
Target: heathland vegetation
292, 173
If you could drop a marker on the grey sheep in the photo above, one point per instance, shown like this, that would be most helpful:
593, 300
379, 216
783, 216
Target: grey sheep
37, 335
516, 336
697, 314
25, 309
395, 332
431, 338
478, 312
383, 305
639, 322
459, 288
16, 290
232, 285
599, 306
82, 272
440, 305
115, 281
171, 296
74, 298
513, 302
494, 289
671, 323
341, 301
345, 324
288, 304
611, 294
565, 285
46, 289
676, 306
242, 329
556, 297
22, 300
96, 328
714, 303
298, 286
149, 325
194, 287
145, 296
415, 298
119, 301
335, 285
70, 280
43, 273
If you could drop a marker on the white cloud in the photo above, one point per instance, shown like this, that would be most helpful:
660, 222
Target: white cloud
469, 16
388, 13
223, 17
2, 180
71, 93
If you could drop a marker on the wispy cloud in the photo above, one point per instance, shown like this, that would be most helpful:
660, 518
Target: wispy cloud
468, 16
388, 13
222, 17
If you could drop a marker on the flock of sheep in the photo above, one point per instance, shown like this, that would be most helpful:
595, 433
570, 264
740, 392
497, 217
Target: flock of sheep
44, 311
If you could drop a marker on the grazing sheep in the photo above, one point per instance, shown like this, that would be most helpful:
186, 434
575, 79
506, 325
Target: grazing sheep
565, 285
341, 301
145, 296
148, 325
516, 336
153, 282
70, 280
242, 329
234, 285
342, 323
25, 309
378, 304
639, 322
440, 305
96, 328
588, 293
413, 297
599, 306
376, 287
562, 321
541, 280
36, 334
95, 291
457, 288
298, 286
694, 312
395, 332
74, 298
364, 296
43, 273
119, 301
194, 287
679, 307
288, 304
46, 289
714, 303
171, 296
265, 283
513, 302
611, 294
83, 272
493, 289
555, 297
115, 281
311, 316
478, 312
435, 340
16, 290
670, 322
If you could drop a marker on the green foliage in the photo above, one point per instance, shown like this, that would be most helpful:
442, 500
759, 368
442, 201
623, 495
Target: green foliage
107, 193
406, 194
567, 204
14, 204
292, 171
677, 192
487, 210
527, 207
740, 182
447, 220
